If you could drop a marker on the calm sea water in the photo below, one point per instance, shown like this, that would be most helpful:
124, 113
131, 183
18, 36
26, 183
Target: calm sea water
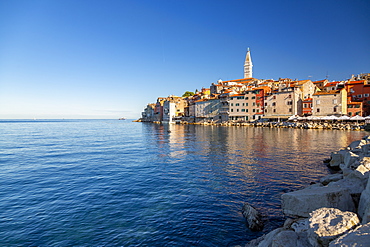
118, 183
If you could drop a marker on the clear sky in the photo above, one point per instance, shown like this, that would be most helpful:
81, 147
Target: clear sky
108, 59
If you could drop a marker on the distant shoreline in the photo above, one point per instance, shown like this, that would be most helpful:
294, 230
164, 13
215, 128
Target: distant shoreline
358, 126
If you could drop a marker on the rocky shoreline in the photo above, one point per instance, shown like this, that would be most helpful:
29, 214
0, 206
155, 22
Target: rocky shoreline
296, 125
333, 212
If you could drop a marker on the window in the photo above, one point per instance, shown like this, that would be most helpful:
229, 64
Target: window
350, 106
254, 97
359, 96
318, 110
237, 110
274, 110
243, 110
357, 106
246, 110
273, 104
334, 109
237, 104
265, 110
305, 106
318, 102
289, 102
290, 109
232, 104
243, 104
254, 104
366, 95
335, 101
254, 110
246, 98
265, 104
232, 110
246, 104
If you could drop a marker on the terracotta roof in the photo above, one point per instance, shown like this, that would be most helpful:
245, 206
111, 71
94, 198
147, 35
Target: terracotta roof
331, 84
327, 93
355, 82
315, 82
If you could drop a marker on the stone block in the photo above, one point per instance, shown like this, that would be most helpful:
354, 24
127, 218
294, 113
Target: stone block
302, 202
327, 224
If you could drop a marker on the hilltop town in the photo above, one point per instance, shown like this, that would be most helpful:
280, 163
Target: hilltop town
250, 99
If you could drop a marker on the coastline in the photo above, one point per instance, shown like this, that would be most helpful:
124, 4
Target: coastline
297, 125
335, 211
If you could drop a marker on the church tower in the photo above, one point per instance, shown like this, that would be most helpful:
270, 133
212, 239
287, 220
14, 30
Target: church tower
248, 65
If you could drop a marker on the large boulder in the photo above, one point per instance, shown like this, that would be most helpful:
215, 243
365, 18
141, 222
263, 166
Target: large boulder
253, 217
337, 158
364, 204
327, 224
356, 145
351, 160
331, 178
302, 202
358, 237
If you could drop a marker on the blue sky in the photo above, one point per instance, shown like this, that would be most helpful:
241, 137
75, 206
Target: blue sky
108, 59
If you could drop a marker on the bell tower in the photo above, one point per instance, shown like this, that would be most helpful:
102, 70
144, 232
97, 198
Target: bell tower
248, 65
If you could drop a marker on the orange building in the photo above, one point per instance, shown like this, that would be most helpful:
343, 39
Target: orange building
358, 92
307, 107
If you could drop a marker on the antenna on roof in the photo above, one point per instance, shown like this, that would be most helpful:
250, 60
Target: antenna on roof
327, 76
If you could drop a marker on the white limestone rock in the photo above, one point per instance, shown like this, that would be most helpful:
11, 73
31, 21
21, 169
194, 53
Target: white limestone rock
356, 145
337, 158
331, 178
365, 149
358, 237
268, 238
285, 238
327, 224
302, 202
364, 204
350, 160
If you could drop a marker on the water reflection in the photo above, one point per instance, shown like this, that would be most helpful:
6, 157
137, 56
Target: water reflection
219, 168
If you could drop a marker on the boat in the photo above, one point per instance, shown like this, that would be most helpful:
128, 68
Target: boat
122, 118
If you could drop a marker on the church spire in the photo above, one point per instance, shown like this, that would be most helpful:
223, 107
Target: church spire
248, 65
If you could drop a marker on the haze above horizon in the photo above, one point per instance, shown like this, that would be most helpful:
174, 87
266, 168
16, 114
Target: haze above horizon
108, 59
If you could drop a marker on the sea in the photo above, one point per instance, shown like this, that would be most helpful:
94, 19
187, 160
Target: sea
121, 183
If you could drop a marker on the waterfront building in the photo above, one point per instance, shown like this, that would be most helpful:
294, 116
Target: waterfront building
247, 106
148, 113
158, 110
288, 99
326, 103
207, 110
173, 108
358, 92
307, 107
248, 65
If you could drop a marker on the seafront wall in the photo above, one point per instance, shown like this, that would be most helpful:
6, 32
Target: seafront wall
335, 211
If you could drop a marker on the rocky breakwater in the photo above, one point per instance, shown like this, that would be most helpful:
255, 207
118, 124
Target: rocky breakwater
333, 212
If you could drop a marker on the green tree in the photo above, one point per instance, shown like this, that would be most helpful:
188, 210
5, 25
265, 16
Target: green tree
187, 94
